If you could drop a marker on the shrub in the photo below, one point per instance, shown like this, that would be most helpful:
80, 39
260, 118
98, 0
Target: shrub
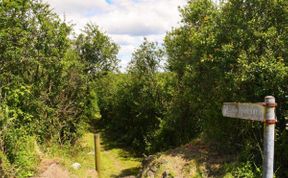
21, 152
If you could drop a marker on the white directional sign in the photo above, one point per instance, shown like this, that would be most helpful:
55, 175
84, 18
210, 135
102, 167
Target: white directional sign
249, 111
264, 112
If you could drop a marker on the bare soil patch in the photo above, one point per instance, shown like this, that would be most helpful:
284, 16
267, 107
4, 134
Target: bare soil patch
52, 169
196, 159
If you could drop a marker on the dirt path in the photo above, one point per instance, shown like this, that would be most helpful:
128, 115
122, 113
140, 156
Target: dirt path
52, 169
116, 162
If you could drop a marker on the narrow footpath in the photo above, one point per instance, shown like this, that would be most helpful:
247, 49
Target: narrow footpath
116, 162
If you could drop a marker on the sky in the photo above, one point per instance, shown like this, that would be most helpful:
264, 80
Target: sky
127, 22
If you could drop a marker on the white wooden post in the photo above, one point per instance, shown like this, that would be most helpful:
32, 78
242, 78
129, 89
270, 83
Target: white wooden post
269, 134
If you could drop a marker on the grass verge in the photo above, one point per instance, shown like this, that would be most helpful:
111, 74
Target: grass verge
115, 161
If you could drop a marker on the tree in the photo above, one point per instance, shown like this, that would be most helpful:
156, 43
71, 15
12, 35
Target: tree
136, 102
234, 51
145, 92
146, 59
99, 56
41, 94
33, 42
97, 50
195, 91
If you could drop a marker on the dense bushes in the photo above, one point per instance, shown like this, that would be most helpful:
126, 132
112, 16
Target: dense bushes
145, 109
231, 51
132, 106
47, 88
235, 51
33, 41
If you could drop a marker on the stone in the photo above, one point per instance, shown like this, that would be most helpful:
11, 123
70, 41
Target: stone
150, 174
153, 168
76, 166
147, 160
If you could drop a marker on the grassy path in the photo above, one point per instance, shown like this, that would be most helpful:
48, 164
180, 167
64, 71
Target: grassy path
116, 162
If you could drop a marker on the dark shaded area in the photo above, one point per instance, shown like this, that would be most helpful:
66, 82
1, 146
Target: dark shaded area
128, 172
110, 140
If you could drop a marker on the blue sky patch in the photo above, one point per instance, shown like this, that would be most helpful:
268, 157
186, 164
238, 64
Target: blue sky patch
109, 1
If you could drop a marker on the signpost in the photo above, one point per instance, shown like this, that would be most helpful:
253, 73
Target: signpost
249, 111
263, 112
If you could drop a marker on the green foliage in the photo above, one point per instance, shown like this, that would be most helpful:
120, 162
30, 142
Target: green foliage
46, 93
281, 154
71, 102
50, 89
194, 93
5, 167
145, 107
107, 89
21, 152
245, 169
235, 51
97, 50
133, 105
32, 47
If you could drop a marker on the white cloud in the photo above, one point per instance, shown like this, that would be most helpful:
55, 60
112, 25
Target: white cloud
81, 7
126, 21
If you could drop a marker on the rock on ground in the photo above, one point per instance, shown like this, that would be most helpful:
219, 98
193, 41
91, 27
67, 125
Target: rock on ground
76, 166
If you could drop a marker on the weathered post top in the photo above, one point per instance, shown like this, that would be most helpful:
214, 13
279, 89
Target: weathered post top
270, 111
270, 99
